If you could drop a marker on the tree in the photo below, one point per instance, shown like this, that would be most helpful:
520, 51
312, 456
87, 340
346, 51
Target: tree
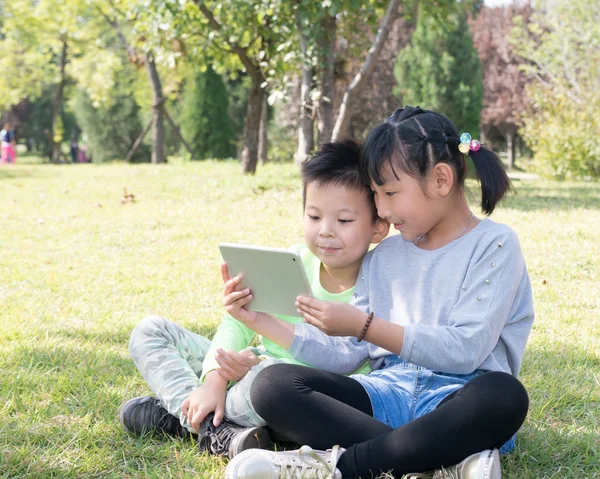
119, 22
340, 35
319, 32
504, 97
252, 37
440, 70
340, 129
41, 41
110, 127
563, 59
204, 118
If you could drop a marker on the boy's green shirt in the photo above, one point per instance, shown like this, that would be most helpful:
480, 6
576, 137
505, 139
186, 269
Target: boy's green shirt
233, 335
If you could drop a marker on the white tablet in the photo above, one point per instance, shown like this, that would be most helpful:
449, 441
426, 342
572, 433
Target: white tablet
275, 276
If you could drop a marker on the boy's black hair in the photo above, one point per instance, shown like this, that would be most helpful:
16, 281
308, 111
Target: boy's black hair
337, 163
414, 140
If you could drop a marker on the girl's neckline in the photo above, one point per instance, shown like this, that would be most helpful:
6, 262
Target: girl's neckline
415, 249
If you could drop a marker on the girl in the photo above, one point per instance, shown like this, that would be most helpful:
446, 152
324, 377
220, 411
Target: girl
446, 307
9, 150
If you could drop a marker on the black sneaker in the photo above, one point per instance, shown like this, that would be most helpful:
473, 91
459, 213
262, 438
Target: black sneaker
229, 439
146, 415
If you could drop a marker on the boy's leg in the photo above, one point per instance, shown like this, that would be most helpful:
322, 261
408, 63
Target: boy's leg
169, 357
238, 405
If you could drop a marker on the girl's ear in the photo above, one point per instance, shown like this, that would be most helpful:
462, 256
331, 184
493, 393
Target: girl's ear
382, 229
443, 176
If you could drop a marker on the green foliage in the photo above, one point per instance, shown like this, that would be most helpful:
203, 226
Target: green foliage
31, 42
237, 94
283, 142
562, 50
205, 121
110, 128
440, 70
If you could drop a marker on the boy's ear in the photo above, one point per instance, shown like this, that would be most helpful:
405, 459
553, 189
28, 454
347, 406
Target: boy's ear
382, 229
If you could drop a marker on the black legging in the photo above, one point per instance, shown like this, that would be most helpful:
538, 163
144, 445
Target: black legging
321, 409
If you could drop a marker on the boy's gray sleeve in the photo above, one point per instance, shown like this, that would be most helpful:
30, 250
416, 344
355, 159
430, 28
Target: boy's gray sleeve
337, 354
478, 317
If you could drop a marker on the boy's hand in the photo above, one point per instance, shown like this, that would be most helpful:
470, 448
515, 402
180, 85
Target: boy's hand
235, 298
331, 317
234, 366
209, 397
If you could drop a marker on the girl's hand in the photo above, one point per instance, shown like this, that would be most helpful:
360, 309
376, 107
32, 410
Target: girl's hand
235, 299
333, 318
234, 366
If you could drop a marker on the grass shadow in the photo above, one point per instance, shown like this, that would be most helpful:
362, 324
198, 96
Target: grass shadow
17, 172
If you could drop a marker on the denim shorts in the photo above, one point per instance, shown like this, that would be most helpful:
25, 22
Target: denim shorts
401, 392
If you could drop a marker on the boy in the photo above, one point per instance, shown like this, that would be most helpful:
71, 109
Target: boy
189, 374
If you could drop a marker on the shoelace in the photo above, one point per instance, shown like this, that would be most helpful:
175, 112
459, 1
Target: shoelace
310, 465
451, 473
219, 441
164, 421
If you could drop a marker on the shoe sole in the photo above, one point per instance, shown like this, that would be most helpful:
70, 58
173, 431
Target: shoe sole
253, 438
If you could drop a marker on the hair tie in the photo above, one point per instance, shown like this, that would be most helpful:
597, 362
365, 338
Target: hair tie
467, 144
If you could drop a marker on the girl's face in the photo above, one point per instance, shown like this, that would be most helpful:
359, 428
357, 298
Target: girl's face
409, 205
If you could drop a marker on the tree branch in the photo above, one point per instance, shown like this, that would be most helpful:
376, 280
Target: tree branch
343, 119
251, 67
132, 52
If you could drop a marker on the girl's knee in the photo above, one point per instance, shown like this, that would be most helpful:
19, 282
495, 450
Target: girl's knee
506, 394
270, 385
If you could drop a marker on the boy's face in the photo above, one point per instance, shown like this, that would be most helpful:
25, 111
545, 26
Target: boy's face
338, 224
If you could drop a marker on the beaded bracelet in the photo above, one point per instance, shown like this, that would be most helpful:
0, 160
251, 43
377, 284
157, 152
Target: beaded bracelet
361, 336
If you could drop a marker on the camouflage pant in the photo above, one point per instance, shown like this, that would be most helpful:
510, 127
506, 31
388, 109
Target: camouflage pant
170, 359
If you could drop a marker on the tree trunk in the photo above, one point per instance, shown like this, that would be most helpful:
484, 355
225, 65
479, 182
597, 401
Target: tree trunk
510, 147
263, 134
326, 69
158, 127
57, 104
306, 132
342, 124
251, 135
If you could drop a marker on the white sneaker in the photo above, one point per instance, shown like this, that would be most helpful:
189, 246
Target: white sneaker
303, 463
483, 465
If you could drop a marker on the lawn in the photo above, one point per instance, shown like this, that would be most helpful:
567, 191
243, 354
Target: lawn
78, 269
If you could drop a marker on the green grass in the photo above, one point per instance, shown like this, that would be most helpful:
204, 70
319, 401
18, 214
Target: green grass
78, 270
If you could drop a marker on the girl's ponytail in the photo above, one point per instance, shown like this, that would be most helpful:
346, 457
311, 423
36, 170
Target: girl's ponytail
492, 177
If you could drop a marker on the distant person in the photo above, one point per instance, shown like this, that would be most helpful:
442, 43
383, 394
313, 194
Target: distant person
9, 150
74, 151
82, 157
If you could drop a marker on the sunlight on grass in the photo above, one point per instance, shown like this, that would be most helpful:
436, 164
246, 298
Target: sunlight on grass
78, 269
